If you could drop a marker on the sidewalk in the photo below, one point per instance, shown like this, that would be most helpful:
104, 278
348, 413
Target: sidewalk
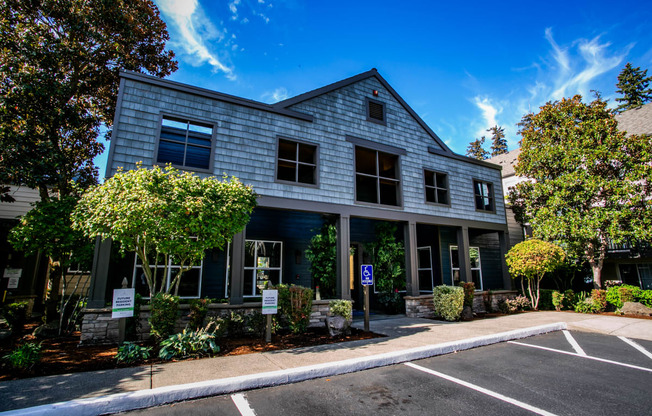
406, 339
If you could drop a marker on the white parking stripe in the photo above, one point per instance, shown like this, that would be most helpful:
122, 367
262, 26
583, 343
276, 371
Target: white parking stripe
637, 346
583, 356
573, 343
242, 404
482, 390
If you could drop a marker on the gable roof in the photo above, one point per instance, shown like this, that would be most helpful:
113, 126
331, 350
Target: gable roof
636, 120
373, 73
507, 161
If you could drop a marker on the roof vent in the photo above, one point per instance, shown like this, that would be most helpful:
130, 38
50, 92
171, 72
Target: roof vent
376, 111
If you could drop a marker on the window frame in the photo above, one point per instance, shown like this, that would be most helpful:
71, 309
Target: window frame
297, 162
255, 268
492, 196
382, 122
419, 269
479, 268
171, 266
189, 120
377, 177
436, 188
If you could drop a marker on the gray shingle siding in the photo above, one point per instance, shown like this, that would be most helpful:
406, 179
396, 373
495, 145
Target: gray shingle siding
246, 140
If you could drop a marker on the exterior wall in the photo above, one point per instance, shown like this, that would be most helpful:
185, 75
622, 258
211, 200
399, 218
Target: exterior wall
246, 143
24, 198
99, 328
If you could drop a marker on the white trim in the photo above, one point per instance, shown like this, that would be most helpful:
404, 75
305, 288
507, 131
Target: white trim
419, 269
255, 268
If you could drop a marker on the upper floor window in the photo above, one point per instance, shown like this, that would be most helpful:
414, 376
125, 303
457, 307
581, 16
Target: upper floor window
484, 195
377, 177
296, 162
436, 187
185, 143
375, 111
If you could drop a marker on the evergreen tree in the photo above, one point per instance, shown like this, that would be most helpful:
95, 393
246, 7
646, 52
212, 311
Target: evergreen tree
498, 142
633, 85
476, 149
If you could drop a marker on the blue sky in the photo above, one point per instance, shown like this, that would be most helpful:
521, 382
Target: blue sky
462, 67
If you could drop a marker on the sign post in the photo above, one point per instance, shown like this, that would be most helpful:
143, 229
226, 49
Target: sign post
367, 277
270, 307
123, 307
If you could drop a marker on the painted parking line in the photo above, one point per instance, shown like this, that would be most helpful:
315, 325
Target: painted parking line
582, 356
242, 404
573, 343
637, 346
493, 394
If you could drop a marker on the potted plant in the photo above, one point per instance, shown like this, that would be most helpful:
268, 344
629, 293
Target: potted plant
340, 316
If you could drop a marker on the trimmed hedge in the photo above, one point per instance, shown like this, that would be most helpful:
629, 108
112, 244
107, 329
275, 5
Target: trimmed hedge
448, 302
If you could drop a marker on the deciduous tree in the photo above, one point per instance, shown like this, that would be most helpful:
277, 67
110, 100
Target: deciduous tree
532, 259
591, 184
161, 213
633, 84
59, 68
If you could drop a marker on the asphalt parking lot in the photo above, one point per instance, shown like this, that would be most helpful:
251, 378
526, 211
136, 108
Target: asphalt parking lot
560, 373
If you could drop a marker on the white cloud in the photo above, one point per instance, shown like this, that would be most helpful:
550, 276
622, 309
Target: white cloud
591, 62
194, 33
489, 110
233, 7
279, 94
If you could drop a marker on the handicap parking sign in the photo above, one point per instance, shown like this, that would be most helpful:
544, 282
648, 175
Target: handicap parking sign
367, 274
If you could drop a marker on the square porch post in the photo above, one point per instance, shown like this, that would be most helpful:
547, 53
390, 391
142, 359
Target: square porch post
99, 273
343, 256
236, 297
463, 254
411, 261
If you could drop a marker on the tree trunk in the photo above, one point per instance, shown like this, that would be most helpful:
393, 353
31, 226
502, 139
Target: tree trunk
52, 296
596, 267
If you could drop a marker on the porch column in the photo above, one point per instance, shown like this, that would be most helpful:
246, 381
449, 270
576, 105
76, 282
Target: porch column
503, 242
343, 259
411, 261
99, 273
463, 254
236, 297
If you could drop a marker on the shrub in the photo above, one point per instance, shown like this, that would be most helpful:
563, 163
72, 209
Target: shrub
599, 298
130, 353
341, 308
448, 302
569, 299
618, 295
519, 303
239, 324
220, 326
392, 302
16, 315
557, 300
163, 315
545, 300
24, 356
198, 311
189, 344
295, 303
593, 303
469, 293
644, 296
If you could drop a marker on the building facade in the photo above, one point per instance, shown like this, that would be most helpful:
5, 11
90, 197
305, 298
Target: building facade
352, 153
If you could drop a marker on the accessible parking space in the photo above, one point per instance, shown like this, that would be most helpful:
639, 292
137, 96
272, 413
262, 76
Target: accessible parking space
560, 373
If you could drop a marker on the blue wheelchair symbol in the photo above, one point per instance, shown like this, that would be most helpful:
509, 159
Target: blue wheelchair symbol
367, 274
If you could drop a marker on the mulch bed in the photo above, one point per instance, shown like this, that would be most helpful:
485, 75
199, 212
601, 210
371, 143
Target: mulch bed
63, 355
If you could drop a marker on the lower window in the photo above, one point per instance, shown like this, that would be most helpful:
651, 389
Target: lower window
424, 267
263, 263
189, 285
476, 269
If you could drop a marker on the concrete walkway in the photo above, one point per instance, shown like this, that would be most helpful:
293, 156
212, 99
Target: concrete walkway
406, 339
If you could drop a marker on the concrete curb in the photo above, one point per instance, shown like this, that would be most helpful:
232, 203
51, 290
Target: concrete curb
122, 402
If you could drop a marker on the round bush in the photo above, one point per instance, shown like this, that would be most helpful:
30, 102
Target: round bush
448, 302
